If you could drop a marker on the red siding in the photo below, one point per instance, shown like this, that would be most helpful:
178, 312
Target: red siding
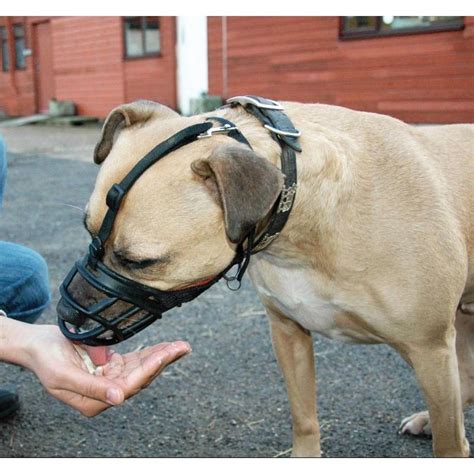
215, 64
89, 67
418, 78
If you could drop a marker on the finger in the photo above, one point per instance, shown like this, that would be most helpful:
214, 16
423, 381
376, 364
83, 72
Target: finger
152, 365
162, 348
167, 355
91, 386
181, 346
115, 365
146, 351
86, 406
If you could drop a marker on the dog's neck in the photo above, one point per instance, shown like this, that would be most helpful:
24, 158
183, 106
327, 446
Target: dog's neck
261, 143
324, 184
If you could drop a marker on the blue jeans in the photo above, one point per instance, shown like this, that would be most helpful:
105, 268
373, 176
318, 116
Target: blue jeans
24, 286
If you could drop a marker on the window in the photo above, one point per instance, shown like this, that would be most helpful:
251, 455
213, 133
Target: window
19, 37
142, 36
4, 48
359, 24
370, 26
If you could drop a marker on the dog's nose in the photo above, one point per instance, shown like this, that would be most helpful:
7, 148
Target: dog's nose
69, 314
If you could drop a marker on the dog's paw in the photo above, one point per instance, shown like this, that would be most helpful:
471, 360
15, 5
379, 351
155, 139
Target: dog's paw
417, 424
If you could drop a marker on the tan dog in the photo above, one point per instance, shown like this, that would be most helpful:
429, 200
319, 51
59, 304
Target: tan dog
379, 247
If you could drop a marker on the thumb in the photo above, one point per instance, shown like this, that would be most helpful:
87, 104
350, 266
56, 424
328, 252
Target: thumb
94, 387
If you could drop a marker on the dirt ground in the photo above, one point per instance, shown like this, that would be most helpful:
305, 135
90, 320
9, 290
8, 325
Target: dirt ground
227, 398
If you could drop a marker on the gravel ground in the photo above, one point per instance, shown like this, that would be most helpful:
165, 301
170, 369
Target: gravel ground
227, 398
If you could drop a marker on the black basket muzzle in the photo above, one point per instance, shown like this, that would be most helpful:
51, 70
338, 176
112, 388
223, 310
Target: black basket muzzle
126, 307
144, 304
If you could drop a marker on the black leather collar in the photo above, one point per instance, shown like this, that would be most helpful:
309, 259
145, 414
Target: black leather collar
282, 130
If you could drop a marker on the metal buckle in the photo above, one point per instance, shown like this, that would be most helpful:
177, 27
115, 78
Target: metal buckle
245, 100
283, 132
96, 248
217, 130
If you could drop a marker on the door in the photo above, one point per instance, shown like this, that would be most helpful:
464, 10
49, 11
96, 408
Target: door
43, 57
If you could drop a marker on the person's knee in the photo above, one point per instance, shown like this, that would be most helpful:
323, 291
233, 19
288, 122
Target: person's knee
27, 295
34, 288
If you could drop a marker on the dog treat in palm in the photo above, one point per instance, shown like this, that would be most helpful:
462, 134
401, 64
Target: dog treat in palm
91, 367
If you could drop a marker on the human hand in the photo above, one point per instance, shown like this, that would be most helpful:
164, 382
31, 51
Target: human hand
64, 374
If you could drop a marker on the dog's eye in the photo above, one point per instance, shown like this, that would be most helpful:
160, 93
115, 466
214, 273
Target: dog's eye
136, 264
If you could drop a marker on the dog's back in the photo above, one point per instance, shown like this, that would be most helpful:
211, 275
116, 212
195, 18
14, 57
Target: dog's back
443, 155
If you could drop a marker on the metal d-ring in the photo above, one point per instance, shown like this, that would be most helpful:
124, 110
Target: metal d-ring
230, 287
245, 100
230, 279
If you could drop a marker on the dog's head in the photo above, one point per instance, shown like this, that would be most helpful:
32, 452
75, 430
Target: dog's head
181, 221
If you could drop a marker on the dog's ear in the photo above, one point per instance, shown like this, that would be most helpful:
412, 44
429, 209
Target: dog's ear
124, 116
245, 184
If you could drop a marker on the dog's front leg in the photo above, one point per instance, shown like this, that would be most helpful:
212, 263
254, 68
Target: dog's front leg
293, 347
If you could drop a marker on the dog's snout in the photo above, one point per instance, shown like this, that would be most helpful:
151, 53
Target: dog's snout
69, 314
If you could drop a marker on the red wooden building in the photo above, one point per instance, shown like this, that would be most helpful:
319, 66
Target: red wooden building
84, 59
420, 69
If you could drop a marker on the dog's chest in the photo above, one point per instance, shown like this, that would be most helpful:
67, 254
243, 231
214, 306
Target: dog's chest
294, 294
290, 292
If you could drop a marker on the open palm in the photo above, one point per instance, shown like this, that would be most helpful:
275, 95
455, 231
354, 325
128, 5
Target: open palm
65, 376
136, 370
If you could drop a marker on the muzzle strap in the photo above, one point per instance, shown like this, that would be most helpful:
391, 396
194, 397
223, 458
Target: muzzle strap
144, 304
118, 191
